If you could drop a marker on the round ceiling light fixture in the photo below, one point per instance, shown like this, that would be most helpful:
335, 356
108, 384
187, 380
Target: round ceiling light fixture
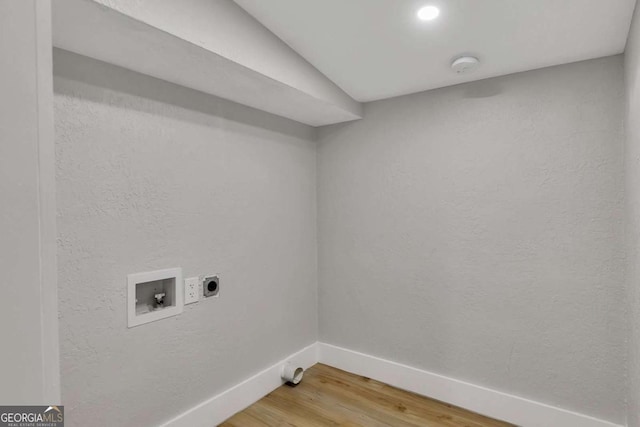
428, 13
465, 64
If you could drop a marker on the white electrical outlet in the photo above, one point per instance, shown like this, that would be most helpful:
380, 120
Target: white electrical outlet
192, 290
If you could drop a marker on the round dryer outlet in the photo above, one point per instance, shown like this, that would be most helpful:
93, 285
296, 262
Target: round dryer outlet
211, 286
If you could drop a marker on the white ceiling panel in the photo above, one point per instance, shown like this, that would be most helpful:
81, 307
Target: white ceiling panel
376, 49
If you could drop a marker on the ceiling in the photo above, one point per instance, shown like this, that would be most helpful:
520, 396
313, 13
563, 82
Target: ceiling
375, 49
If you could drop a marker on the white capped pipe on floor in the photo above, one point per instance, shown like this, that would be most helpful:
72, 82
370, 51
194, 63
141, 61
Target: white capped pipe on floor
292, 373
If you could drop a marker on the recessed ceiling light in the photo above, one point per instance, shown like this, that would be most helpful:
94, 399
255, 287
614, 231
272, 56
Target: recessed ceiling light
428, 13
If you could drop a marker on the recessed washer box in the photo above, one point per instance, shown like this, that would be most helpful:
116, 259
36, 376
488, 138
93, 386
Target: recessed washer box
154, 295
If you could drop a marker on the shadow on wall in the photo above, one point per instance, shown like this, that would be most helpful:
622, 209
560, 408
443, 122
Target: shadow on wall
483, 89
71, 66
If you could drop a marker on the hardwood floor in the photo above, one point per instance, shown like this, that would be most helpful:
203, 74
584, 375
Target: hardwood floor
330, 397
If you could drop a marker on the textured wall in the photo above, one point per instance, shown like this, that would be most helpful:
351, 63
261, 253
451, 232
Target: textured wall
477, 232
632, 195
151, 175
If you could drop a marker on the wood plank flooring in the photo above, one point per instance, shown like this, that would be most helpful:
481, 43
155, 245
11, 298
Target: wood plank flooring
330, 397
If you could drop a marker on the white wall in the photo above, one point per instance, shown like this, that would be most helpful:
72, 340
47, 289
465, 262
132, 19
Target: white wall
28, 317
152, 175
223, 27
191, 41
632, 195
476, 231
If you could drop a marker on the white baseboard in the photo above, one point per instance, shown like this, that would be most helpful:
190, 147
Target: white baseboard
224, 405
492, 403
495, 404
